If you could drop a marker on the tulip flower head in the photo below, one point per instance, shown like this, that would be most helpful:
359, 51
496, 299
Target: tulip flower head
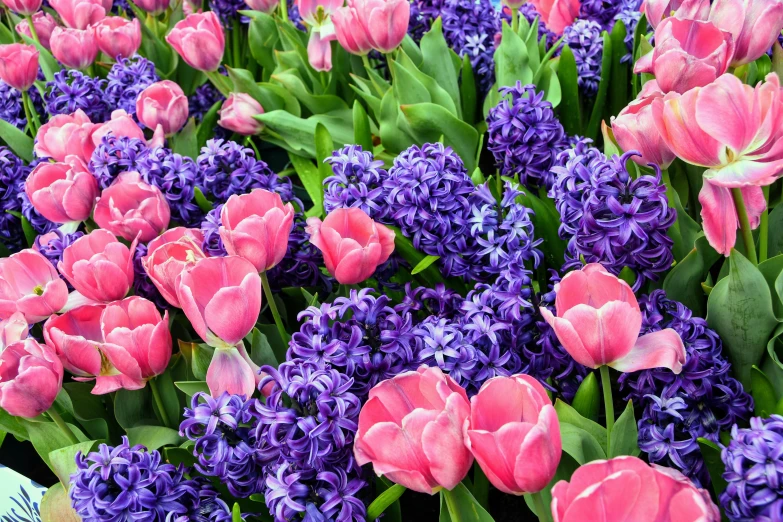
118, 37
43, 23
74, 48
199, 40
754, 24
384, 22
23, 7
30, 284
66, 135
132, 209
31, 376
13, 329
165, 104
18, 65
62, 192
237, 114
658, 10
557, 14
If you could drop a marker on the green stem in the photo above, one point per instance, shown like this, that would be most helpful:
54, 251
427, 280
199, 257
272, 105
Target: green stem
62, 425
11, 25
541, 510
764, 228
606, 383
515, 22
480, 486
384, 500
368, 66
284, 10
270, 298
747, 233
164, 417
28, 116
235, 44
32, 116
33, 32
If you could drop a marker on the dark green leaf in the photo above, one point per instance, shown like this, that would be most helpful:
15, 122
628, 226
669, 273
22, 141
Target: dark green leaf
570, 107
203, 203
324, 146
89, 409
17, 141
404, 247
262, 38
429, 121
620, 71
772, 270
316, 103
578, 443
260, 350
153, 437
468, 94
279, 347
685, 230
683, 283
47, 437
191, 388
512, 63
185, 141
134, 408
362, 134
625, 434
567, 414
168, 394
437, 63
463, 507
206, 129
12, 425
546, 221
607, 79
201, 358
310, 177
765, 401
587, 400
711, 454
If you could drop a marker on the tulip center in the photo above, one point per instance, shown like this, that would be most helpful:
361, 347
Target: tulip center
107, 368
38, 290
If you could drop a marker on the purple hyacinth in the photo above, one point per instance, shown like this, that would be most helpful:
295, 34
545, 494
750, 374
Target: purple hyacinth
440, 302
630, 18
71, 90
601, 12
131, 483
584, 39
301, 266
525, 136
754, 471
53, 248
114, 156
13, 173
11, 109
210, 227
125, 81
176, 176
703, 400
294, 16
227, 12
202, 100
357, 180
142, 284
224, 431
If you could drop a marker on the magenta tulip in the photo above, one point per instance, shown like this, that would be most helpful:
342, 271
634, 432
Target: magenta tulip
658, 10
754, 24
384, 22
154, 7
237, 114
118, 37
79, 14
514, 434
18, 65
43, 23
66, 135
62, 192
31, 376
353, 245
634, 128
411, 430
349, 30
135, 334
98, 266
199, 40
13, 329
221, 296
628, 489
256, 226
598, 323
74, 48
131, 208
265, 6
165, 104
557, 14
121, 125
23, 7
167, 261
29, 284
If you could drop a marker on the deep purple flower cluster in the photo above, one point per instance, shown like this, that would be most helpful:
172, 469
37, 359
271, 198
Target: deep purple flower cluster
754, 471
210, 227
131, 483
703, 400
202, 100
611, 218
224, 432
584, 39
525, 136
176, 176
142, 284
357, 181
11, 109
114, 156
13, 173
125, 81
71, 90
227, 12
601, 12
53, 248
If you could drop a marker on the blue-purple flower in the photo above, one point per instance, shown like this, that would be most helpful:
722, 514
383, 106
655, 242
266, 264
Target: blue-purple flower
114, 156
13, 173
584, 39
357, 180
125, 81
71, 90
177, 177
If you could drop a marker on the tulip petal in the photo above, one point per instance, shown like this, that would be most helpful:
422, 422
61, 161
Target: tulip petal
719, 217
662, 349
442, 443
229, 372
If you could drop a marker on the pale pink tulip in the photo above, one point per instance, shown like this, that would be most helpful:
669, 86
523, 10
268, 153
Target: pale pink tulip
626, 489
349, 30
237, 114
256, 226
411, 430
754, 24
43, 23
557, 14
74, 48
121, 125
232, 373
353, 245
317, 13
18, 65
319, 51
199, 40
658, 10
13, 329
65, 135
165, 104
29, 284
385, 22
514, 434
62, 192
118, 37
221, 296
598, 323
687, 54
154, 7
132, 209
31, 376
166, 262
98, 266
23, 7
79, 14
265, 6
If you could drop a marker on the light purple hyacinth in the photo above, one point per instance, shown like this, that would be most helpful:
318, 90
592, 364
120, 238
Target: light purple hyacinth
357, 180
71, 90
584, 39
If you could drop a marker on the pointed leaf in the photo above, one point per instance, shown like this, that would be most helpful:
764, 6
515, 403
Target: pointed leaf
570, 107
463, 507
587, 400
17, 141
437, 63
625, 434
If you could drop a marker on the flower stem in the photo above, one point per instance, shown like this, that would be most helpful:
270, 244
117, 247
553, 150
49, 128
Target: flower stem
33, 32
764, 229
220, 82
541, 510
747, 233
270, 298
606, 383
384, 500
284, 10
62, 425
368, 66
164, 417
515, 22
30, 114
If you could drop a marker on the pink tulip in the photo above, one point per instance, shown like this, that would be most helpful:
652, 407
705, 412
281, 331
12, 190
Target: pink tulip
163, 103
353, 245
237, 114
658, 10
77, 339
154, 7
634, 128
231, 372
62, 192
31, 376
514, 434
557, 14
120, 125
118, 37
132, 208
598, 322
628, 489
411, 429
256, 226
175, 234
79, 14
29, 284
23, 7
733, 130
319, 52
43, 23
385, 22
221, 296
754, 24
316, 13
166, 262
687, 54
199, 39
18, 65
13, 329
349, 30
98, 266
265, 6
136, 335
65, 135
74, 48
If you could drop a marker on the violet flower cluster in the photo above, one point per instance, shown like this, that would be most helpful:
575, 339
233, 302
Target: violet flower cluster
125, 81
11, 109
177, 177
357, 180
584, 39
13, 173
703, 400
114, 156
71, 90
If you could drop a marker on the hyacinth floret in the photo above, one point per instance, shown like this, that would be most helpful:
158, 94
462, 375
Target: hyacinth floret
125, 81
357, 180
71, 90
53, 248
210, 227
114, 156
630, 18
11, 109
176, 176
584, 39
13, 173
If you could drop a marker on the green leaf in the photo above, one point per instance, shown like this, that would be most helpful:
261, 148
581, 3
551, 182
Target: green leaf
429, 121
404, 247
580, 444
685, 230
134, 408
362, 134
190, 388
17, 141
765, 401
627, 275
279, 347
683, 282
512, 63
740, 310
620, 80
13, 425
775, 243
185, 141
550, 84
310, 176
179, 455
394, 138
772, 270
468, 91
203, 203
436, 62
410, 48
607, 79
236, 513
710, 452
463, 507
567, 414
316, 103
280, 99
63, 460
625, 434
206, 129
436, 93
297, 135
89, 409
168, 393
546, 222
570, 107
201, 359
383, 501
587, 401
47, 437
56, 506
426, 262
262, 38
324, 146
260, 350
153, 437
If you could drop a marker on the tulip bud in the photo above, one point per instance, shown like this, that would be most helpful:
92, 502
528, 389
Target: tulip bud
557, 14
165, 104
31, 376
74, 48
43, 23
79, 14
18, 65
265, 6
754, 24
237, 114
153, 7
29, 284
385, 22
199, 40
65, 135
118, 37
132, 209
350, 32
62, 192
23, 7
